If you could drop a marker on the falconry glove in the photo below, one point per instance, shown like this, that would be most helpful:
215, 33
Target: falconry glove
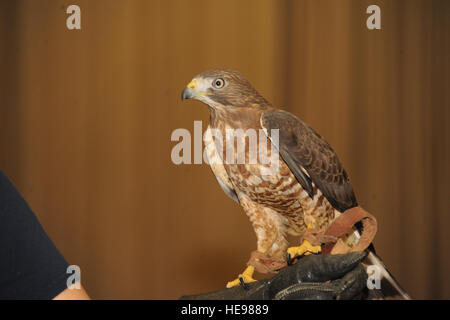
314, 277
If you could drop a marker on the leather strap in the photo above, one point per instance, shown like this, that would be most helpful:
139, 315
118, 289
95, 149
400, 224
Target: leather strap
343, 224
264, 264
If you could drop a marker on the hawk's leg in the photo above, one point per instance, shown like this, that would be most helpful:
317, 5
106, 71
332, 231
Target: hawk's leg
270, 232
304, 249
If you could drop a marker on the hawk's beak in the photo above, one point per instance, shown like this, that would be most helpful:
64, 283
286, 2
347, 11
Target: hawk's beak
189, 92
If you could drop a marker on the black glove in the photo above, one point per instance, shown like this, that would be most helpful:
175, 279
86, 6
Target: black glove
313, 277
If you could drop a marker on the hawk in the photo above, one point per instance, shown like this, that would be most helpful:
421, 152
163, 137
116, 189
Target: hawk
310, 187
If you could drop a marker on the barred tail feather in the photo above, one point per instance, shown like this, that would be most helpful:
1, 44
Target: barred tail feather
389, 287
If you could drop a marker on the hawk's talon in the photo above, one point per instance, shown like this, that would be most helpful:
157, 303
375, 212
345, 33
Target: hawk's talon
288, 259
243, 284
244, 278
305, 248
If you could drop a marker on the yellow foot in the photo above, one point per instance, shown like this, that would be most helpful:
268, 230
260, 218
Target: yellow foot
246, 277
304, 249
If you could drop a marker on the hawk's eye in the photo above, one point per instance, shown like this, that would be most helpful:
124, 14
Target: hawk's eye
218, 83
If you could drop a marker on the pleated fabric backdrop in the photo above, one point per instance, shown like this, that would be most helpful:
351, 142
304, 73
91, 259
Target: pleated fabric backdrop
86, 118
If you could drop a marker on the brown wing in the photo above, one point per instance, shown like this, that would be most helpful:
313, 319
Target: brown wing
310, 158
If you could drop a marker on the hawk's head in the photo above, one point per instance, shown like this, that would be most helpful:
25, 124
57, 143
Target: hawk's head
221, 88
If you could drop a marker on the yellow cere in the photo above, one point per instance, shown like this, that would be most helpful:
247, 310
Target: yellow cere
192, 84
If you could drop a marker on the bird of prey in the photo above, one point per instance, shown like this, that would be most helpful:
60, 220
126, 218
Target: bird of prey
310, 187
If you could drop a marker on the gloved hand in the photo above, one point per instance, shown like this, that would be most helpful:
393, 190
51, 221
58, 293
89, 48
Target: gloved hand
313, 277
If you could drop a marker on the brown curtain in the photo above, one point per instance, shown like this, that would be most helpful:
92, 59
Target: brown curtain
86, 118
